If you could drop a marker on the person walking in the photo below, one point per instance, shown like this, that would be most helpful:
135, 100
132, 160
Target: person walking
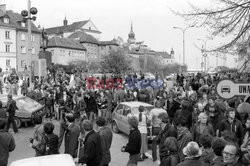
7, 144
133, 146
106, 140
11, 110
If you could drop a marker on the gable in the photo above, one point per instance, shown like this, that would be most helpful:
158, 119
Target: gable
90, 26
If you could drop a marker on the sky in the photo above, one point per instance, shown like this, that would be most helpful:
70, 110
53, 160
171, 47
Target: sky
153, 23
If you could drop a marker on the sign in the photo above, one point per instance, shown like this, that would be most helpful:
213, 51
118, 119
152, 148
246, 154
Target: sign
228, 89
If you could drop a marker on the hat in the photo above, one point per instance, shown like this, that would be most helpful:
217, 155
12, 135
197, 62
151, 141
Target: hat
192, 150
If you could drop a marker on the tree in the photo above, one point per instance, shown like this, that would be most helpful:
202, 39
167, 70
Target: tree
115, 62
225, 18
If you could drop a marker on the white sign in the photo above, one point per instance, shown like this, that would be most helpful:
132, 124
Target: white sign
227, 89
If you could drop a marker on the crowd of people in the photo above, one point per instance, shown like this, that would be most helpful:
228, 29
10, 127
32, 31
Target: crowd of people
197, 127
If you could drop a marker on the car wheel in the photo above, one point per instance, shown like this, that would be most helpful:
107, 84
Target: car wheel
115, 128
18, 122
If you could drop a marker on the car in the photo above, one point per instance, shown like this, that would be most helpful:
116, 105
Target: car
125, 109
27, 108
49, 160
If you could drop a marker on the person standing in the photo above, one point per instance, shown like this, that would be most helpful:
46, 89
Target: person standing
106, 140
11, 110
133, 146
142, 126
92, 154
7, 144
71, 136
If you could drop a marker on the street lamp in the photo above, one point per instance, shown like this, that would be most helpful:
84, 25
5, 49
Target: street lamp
204, 53
27, 18
183, 35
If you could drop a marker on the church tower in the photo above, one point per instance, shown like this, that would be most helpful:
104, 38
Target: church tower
131, 35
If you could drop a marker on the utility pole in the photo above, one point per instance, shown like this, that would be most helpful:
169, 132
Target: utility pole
29, 42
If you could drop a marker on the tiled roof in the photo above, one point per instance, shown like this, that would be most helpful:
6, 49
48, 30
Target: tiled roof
106, 43
65, 43
84, 37
15, 19
69, 28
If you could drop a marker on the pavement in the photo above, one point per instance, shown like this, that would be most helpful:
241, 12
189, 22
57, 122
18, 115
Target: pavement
118, 158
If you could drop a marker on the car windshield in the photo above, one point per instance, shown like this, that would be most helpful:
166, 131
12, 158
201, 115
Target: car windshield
135, 110
26, 102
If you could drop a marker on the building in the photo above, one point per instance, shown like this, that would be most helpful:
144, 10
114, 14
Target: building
65, 51
14, 41
66, 30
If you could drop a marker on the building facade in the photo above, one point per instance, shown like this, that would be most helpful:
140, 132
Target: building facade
14, 41
65, 51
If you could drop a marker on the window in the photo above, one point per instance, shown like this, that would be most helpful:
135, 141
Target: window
33, 51
7, 48
23, 49
23, 63
7, 62
7, 34
23, 24
22, 36
6, 20
119, 109
89, 28
32, 38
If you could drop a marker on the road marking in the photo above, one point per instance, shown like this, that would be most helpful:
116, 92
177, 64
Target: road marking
151, 157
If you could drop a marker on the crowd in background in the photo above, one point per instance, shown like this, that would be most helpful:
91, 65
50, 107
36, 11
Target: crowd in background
197, 127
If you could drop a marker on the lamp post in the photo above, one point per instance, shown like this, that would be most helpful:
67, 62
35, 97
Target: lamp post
183, 40
27, 18
204, 54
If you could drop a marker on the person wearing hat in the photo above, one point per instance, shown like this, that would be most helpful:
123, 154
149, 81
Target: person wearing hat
192, 152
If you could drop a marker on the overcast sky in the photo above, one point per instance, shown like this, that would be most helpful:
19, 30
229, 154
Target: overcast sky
152, 21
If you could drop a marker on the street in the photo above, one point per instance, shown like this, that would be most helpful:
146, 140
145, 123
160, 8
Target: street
117, 157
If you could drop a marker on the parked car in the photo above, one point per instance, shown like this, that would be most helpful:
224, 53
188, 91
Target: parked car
49, 160
27, 108
121, 112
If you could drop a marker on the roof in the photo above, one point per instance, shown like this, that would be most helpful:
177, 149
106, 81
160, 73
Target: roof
69, 28
136, 104
106, 43
65, 43
84, 37
15, 19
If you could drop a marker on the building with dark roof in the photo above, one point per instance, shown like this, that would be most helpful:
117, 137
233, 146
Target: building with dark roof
66, 50
66, 30
13, 41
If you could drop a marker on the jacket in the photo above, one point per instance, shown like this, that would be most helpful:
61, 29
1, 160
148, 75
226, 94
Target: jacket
208, 130
7, 144
91, 105
51, 144
71, 139
134, 142
106, 140
169, 131
92, 154
11, 107
192, 162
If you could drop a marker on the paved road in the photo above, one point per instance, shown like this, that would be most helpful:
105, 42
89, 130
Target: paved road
118, 158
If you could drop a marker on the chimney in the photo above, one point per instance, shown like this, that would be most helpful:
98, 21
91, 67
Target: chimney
65, 22
3, 8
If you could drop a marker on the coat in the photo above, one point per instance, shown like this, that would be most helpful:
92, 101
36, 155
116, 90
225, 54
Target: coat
134, 142
71, 139
106, 140
7, 144
91, 105
192, 162
11, 107
92, 154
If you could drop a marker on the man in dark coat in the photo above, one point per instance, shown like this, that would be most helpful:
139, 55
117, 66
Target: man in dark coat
106, 140
11, 110
91, 106
71, 136
7, 144
92, 154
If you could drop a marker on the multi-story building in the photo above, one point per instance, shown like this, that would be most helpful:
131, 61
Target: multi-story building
65, 51
14, 41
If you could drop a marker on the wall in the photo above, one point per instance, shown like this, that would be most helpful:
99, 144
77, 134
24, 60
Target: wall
65, 56
11, 56
92, 52
23, 58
